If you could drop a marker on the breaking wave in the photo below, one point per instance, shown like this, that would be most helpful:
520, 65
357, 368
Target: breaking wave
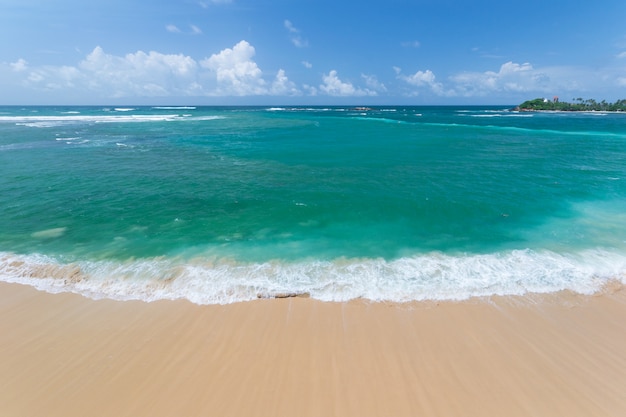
434, 276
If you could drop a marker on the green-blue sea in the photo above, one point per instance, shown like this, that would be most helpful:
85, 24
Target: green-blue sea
225, 204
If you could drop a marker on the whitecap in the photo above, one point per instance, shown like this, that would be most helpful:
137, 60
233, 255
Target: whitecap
174, 108
52, 121
433, 276
203, 118
50, 233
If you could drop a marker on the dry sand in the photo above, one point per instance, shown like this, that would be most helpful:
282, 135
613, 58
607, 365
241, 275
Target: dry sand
558, 355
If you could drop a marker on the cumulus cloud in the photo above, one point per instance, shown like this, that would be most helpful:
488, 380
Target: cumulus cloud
234, 72
50, 78
333, 86
282, 86
140, 73
237, 74
511, 77
231, 72
422, 79
294, 35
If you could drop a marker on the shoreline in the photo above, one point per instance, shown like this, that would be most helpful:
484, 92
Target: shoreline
510, 273
518, 110
555, 354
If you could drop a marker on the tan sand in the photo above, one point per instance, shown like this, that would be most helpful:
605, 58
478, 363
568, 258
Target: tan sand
65, 355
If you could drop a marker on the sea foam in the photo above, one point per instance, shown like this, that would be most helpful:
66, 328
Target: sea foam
433, 276
52, 121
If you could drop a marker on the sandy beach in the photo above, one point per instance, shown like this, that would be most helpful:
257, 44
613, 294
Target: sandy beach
552, 355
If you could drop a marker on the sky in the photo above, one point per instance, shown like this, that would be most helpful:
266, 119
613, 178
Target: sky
258, 52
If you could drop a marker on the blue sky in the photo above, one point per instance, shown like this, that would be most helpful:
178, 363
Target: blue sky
310, 51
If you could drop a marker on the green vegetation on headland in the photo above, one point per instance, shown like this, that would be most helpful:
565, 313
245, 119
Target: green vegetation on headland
578, 105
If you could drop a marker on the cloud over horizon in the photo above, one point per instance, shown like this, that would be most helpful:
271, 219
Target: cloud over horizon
234, 72
301, 50
230, 72
333, 86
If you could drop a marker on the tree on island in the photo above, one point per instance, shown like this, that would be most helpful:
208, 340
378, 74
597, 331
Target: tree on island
578, 105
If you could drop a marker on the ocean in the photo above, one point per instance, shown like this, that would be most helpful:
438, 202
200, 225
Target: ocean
225, 204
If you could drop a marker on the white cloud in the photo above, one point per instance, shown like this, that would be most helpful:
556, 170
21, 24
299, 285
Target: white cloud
144, 74
511, 68
294, 35
234, 72
49, 78
333, 86
172, 29
282, 86
237, 74
231, 72
372, 82
511, 77
19, 65
621, 55
422, 79
102, 74
195, 30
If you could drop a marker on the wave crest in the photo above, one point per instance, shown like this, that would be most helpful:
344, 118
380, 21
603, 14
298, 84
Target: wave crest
433, 276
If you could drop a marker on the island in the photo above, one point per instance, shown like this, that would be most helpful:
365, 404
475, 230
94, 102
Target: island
579, 104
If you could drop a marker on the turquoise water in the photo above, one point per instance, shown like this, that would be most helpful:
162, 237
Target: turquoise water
226, 204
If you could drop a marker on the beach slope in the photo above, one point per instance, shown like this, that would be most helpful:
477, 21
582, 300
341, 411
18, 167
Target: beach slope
66, 355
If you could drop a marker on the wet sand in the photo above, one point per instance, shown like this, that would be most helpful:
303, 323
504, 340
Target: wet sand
555, 355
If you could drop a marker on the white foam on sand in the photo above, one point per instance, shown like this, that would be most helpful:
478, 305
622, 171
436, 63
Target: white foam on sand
432, 276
